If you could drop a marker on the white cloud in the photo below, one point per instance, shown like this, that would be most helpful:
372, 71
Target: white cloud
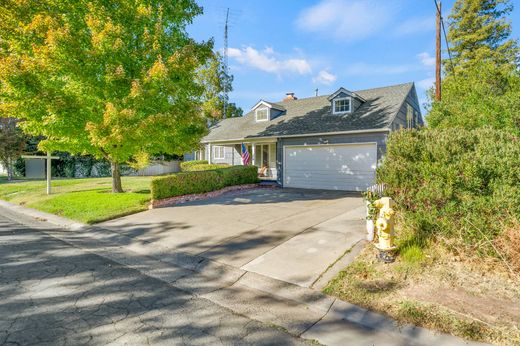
268, 61
324, 77
363, 69
426, 59
415, 25
348, 20
426, 84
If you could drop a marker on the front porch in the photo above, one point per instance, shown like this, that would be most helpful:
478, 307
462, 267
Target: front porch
262, 154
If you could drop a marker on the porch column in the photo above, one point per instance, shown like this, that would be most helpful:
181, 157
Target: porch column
209, 153
253, 154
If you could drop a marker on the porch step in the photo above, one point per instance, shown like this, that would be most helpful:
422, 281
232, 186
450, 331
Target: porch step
270, 183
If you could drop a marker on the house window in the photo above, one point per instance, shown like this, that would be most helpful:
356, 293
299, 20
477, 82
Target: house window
262, 114
409, 116
218, 152
341, 105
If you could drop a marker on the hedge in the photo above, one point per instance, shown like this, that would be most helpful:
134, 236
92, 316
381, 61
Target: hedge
458, 185
185, 165
185, 183
204, 167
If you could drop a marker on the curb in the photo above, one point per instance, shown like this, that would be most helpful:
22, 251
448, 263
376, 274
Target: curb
215, 280
170, 201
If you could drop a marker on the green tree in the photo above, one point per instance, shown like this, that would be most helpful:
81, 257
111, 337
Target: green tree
233, 111
479, 30
481, 95
115, 79
217, 79
12, 143
483, 88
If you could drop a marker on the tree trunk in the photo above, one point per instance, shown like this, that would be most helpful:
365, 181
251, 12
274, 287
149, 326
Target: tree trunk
9, 167
116, 178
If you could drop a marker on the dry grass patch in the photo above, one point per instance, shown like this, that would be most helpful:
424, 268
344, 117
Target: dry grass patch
468, 297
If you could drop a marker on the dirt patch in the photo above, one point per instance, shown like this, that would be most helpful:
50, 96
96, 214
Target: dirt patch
474, 299
485, 308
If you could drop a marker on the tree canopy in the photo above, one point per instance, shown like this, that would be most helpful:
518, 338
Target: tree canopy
480, 31
482, 88
120, 80
481, 95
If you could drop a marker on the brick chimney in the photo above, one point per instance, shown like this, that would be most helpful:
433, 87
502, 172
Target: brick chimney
289, 97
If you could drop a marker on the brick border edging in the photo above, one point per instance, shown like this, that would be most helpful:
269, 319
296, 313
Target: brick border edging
170, 201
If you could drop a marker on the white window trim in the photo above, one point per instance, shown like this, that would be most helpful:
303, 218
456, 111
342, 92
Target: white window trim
217, 151
341, 99
261, 109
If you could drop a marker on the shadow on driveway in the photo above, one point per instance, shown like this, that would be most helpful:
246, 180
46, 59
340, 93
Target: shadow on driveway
52, 293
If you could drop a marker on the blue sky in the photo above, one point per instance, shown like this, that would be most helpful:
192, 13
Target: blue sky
297, 46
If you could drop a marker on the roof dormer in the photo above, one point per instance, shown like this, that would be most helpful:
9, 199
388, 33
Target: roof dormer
344, 101
266, 111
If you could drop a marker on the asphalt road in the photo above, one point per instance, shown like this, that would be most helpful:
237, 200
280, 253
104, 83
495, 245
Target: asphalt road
54, 293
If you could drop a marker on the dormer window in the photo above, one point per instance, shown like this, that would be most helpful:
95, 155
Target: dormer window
341, 105
344, 101
266, 111
262, 114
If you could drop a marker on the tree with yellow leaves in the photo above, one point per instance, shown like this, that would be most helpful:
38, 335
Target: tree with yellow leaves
120, 80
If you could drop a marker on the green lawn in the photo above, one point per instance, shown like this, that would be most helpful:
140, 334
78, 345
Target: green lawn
87, 200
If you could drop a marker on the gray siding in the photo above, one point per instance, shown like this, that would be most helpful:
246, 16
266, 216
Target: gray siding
189, 156
275, 113
379, 138
400, 119
231, 155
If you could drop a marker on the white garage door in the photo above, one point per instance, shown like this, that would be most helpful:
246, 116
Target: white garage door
349, 167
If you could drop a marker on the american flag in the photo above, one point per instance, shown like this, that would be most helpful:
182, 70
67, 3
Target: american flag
246, 158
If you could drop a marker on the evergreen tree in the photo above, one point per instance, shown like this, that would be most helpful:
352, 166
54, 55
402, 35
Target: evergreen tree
478, 31
484, 88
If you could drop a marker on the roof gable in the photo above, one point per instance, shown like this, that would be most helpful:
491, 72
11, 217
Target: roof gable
347, 92
268, 104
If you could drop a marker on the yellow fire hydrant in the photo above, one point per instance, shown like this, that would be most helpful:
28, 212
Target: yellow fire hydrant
385, 228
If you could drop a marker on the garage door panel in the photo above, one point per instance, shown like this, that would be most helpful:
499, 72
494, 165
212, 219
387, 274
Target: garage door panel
339, 167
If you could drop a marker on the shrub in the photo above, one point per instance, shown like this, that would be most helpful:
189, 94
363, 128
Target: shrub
205, 167
200, 165
455, 184
185, 183
185, 165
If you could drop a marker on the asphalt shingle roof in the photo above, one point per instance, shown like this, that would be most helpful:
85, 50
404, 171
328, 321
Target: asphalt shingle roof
314, 115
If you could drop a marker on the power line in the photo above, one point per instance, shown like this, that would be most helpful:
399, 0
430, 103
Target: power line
445, 37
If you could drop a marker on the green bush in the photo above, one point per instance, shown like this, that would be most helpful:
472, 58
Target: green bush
460, 185
186, 183
205, 167
185, 165
200, 165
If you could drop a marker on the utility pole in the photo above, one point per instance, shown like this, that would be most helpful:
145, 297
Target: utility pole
226, 79
438, 53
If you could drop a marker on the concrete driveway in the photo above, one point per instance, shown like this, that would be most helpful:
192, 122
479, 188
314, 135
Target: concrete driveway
287, 234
